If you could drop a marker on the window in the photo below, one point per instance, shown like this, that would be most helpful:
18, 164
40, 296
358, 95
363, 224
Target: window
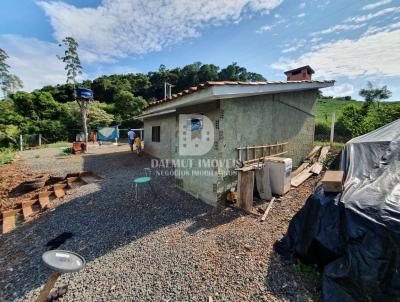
155, 134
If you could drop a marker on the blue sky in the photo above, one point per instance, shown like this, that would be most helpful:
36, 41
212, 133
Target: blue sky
351, 42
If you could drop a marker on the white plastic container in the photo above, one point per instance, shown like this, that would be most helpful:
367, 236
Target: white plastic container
280, 171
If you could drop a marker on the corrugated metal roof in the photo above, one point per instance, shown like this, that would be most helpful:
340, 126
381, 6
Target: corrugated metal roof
221, 83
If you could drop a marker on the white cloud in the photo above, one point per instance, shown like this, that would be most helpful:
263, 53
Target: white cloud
376, 29
339, 90
376, 4
364, 18
301, 15
290, 49
302, 5
294, 45
338, 28
264, 28
118, 28
373, 55
34, 61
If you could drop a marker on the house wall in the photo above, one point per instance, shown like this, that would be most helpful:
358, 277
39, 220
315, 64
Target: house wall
267, 119
200, 179
164, 149
255, 120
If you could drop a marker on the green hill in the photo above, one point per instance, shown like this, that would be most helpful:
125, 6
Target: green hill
326, 106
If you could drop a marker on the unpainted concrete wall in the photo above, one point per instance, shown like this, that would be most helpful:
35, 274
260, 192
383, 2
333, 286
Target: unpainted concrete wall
256, 120
164, 149
203, 186
267, 119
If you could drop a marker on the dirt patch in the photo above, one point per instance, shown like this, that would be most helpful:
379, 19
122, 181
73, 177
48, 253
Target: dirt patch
11, 191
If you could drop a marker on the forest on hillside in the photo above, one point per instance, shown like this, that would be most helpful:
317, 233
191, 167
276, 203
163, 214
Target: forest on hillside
53, 112
118, 98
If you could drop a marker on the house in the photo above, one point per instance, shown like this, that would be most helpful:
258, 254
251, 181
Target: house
201, 128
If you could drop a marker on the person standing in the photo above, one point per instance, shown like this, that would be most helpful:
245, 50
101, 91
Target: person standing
131, 135
138, 144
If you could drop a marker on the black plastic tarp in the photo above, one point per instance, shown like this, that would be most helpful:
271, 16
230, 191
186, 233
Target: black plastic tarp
354, 236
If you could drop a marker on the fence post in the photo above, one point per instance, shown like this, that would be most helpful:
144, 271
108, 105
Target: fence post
332, 127
21, 148
40, 139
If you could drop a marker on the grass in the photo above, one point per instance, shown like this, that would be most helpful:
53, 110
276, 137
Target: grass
58, 145
335, 145
63, 153
304, 268
325, 108
6, 156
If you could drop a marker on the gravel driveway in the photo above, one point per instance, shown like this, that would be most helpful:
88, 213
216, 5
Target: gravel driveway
169, 248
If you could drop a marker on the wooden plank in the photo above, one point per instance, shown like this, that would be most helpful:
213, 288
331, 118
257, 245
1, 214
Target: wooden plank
27, 209
268, 209
9, 220
44, 198
317, 168
261, 146
263, 182
245, 190
324, 153
266, 157
314, 152
257, 164
59, 190
8, 224
302, 177
300, 169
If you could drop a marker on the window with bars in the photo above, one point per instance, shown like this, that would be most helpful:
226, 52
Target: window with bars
155, 134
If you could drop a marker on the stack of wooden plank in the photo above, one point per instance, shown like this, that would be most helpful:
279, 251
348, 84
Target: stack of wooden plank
312, 166
32, 207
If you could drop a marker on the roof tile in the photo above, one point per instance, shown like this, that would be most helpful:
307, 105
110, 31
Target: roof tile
218, 83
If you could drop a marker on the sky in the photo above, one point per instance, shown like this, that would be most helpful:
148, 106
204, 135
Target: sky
352, 42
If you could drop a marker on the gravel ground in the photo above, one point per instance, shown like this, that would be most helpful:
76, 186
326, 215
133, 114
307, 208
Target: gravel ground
169, 248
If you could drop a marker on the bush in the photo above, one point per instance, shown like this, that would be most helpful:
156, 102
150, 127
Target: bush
6, 156
358, 120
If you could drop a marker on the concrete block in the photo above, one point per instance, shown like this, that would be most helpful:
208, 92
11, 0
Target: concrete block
333, 181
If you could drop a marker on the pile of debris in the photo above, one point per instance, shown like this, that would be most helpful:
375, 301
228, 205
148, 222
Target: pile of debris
39, 194
312, 166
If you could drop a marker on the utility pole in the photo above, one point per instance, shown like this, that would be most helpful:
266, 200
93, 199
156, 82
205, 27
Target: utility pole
332, 127
169, 86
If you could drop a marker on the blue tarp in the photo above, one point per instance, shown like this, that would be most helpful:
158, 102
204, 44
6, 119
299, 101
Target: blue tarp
107, 133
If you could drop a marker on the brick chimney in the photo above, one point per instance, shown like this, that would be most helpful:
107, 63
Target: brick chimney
300, 74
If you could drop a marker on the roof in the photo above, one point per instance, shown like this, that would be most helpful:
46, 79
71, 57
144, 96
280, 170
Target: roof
214, 90
309, 69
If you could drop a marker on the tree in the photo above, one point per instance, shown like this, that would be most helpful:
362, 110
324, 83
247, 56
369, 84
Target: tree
98, 117
74, 68
8, 82
235, 72
208, 72
128, 106
373, 95
351, 121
